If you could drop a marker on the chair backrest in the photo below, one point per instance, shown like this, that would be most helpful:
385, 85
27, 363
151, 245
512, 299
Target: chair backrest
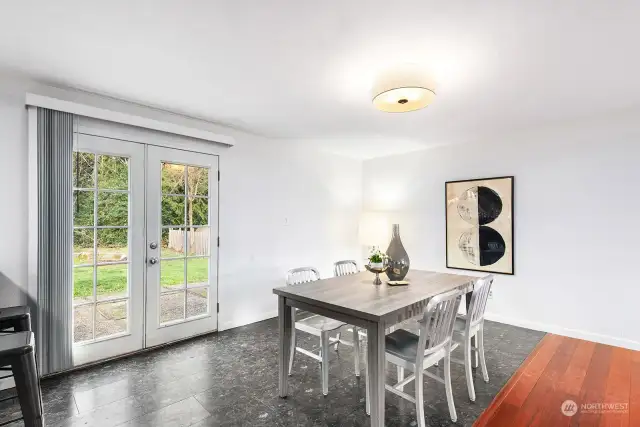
479, 297
343, 268
300, 275
436, 325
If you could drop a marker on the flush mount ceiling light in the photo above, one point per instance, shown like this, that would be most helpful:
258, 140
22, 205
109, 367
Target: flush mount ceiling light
406, 88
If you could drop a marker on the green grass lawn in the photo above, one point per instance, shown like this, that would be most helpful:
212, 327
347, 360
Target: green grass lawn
112, 279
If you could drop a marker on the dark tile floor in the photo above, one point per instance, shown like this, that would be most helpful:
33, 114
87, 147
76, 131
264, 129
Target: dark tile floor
230, 379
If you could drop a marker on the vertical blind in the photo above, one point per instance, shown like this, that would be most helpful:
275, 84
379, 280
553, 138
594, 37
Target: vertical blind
55, 241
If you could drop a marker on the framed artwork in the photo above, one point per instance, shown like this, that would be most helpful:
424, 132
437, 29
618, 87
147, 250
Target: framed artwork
480, 224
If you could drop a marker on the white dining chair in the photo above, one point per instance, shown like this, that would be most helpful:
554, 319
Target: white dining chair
472, 325
417, 353
316, 325
345, 267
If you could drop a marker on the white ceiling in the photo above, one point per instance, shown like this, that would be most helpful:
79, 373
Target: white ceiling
304, 68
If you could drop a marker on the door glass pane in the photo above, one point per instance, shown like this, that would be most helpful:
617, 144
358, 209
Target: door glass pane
83, 246
83, 207
82, 284
83, 165
198, 181
198, 241
105, 203
198, 211
173, 210
197, 302
113, 172
113, 244
83, 323
112, 281
171, 306
113, 208
197, 272
172, 244
172, 178
111, 318
172, 274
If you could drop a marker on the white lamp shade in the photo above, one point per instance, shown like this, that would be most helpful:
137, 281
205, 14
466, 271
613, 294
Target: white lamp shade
374, 230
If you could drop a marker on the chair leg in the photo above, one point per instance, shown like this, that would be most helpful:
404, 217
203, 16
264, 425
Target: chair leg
25, 375
367, 404
356, 351
324, 339
420, 396
400, 371
447, 386
292, 352
483, 363
467, 369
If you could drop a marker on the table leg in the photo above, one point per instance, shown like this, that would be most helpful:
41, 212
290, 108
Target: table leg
474, 341
376, 363
285, 322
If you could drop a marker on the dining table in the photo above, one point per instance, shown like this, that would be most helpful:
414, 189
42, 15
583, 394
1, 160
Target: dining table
355, 300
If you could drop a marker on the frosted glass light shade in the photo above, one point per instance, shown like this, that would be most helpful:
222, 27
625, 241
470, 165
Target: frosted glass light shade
404, 89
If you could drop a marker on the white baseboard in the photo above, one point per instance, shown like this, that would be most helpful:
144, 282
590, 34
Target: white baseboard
246, 320
559, 330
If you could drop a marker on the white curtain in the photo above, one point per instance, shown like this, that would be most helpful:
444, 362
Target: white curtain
53, 320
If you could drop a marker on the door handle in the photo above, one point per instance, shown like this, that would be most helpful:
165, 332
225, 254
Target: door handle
153, 245
153, 260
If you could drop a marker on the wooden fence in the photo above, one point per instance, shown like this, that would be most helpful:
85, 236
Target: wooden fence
199, 241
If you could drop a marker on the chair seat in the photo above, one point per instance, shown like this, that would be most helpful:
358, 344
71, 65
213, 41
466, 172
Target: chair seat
17, 344
19, 312
16, 318
318, 323
403, 344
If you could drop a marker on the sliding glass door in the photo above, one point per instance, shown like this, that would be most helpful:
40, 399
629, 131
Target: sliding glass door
145, 246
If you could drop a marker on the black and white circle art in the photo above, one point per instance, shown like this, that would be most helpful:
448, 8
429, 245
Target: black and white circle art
481, 245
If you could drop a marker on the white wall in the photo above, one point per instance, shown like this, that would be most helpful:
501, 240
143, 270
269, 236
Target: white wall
13, 190
281, 206
577, 222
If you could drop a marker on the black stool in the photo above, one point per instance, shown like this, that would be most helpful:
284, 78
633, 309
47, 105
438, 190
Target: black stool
18, 318
16, 350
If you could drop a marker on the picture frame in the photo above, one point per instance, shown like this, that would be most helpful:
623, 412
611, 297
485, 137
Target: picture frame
479, 221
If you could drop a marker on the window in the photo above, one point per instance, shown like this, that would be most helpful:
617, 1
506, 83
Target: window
185, 245
101, 287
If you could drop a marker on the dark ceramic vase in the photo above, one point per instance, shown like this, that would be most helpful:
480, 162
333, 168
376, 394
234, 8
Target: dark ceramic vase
398, 258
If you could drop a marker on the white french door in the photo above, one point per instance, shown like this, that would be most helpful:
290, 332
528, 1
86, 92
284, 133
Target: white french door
182, 249
145, 246
108, 248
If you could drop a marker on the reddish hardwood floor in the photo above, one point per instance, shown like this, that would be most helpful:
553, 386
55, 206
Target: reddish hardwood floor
561, 369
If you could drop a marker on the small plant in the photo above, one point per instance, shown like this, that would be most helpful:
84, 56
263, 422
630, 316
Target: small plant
377, 256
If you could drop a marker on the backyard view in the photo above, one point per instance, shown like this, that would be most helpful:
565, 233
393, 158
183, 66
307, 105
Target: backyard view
101, 244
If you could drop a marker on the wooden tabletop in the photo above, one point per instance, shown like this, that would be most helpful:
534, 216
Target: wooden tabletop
356, 295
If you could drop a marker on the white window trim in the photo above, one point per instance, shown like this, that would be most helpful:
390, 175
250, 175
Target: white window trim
125, 118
